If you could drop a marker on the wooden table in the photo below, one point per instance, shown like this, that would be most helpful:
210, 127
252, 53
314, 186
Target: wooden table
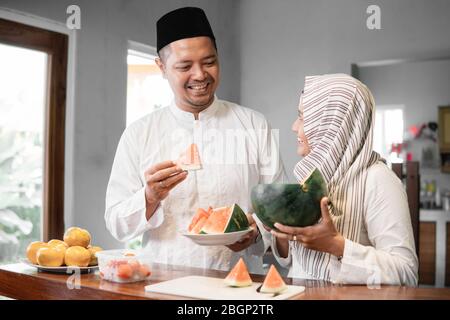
20, 281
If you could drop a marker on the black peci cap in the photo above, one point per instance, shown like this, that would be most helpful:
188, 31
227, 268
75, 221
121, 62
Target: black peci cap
180, 24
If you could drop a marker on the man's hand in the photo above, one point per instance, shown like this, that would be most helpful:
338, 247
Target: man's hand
160, 179
322, 236
249, 239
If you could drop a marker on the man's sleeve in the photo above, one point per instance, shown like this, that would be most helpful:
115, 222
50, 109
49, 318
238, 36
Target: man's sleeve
125, 195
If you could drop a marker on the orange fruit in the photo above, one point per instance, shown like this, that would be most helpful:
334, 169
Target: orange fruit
77, 256
50, 256
32, 250
144, 271
56, 242
75, 236
92, 251
135, 265
124, 271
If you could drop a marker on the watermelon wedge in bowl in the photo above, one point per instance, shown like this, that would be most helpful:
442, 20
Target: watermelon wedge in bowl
220, 226
296, 205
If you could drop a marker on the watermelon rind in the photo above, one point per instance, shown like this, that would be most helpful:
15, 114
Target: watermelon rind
237, 284
238, 220
280, 289
295, 205
190, 167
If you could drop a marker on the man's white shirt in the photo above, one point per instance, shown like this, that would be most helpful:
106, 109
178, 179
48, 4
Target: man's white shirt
238, 150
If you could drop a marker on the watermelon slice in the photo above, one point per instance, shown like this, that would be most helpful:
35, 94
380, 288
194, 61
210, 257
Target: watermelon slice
201, 213
225, 220
273, 283
190, 159
198, 227
238, 276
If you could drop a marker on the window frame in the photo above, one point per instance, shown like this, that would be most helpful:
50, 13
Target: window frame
56, 46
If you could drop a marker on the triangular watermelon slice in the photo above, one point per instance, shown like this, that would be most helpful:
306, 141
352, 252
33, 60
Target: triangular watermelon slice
199, 225
273, 283
201, 213
190, 159
225, 220
238, 276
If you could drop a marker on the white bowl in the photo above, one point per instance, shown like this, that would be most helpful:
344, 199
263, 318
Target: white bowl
222, 239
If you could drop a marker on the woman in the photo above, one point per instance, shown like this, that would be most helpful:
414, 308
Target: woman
365, 234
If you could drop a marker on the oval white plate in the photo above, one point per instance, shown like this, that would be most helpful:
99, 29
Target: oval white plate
63, 269
222, 239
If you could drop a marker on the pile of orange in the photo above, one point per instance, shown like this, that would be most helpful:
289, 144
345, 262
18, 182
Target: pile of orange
75, 250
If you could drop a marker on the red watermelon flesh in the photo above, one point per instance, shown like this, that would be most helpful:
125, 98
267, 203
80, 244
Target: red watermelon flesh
201, 213
198, 227
273, 283
225, 220
218, 220
239, 276
190, 159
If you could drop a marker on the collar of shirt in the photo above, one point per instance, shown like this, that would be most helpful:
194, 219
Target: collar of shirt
205, 115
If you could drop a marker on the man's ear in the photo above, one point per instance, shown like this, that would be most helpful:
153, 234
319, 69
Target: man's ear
161, 66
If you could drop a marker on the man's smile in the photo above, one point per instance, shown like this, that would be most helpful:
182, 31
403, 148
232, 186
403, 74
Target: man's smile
199, 88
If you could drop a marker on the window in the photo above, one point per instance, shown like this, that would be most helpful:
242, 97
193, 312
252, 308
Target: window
147, 90
388, 132
23, 83
33, 68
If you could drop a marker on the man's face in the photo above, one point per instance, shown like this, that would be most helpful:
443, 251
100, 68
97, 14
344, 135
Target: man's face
192, 68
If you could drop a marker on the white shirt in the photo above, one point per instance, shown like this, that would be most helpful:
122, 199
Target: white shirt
386, 253
237, 149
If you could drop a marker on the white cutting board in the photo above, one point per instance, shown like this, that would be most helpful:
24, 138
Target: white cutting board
215, 289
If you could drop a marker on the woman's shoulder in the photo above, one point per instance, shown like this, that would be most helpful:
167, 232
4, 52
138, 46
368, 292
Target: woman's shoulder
383, 182
380, 173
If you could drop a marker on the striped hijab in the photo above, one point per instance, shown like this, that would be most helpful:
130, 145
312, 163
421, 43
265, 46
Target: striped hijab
338, 123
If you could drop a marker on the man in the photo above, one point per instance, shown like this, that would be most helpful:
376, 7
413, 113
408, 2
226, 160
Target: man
149, 194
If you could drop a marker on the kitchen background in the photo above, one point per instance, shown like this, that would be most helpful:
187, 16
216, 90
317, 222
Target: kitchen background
266, 49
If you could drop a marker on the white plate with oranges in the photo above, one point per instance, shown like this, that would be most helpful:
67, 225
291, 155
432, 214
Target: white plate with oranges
68, 256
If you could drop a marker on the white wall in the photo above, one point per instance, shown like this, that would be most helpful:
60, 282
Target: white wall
100, 86
283, 41
266, 49
420, 86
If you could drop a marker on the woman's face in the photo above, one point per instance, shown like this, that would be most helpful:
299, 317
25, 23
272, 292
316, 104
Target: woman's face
302, 143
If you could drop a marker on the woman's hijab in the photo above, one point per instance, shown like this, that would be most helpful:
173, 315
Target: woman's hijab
338, 113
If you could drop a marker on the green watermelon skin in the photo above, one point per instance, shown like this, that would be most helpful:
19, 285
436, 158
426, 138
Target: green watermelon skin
237, 222
290, 204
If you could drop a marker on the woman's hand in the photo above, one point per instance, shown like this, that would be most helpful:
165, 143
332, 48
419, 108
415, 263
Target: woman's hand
322, 236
